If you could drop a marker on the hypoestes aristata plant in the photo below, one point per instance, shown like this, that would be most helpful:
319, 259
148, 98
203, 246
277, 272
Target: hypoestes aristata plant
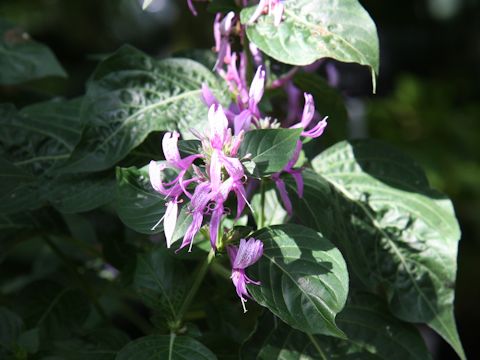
227, 227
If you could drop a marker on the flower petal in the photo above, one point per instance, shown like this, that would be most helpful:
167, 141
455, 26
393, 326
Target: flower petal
248, 253
170, 221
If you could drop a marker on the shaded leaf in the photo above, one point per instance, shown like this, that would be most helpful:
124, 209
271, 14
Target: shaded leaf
137, 204
372, 333
161, 282
158, 347
23, 59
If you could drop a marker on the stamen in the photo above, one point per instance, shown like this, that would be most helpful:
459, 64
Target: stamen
158, 223
243, 305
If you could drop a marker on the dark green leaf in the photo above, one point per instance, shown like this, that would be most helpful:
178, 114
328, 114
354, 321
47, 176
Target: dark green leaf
23, 59
269, 149
57, 312
71, 194
137, 204
189, 147
398, 235
304, 278
10, 328
100, 344
131, 95
158, 347
316, 29
161, 281
373, 333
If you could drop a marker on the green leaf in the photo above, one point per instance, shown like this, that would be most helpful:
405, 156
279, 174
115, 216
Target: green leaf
269, 149
316, 29
18, 189
57, 312
304, 278
23, 59
71, 194
161, 281
189, 147
273, 212
10, 327
372, 333
40, 137
137, 204
162, 347
100, 344
130, 95
398, 235
35, 141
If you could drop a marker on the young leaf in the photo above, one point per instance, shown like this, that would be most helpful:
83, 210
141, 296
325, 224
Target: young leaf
130, 95
24, 59
269, 149
161, 347
316, 29
372, 333
161, 281
397, 233
304, 278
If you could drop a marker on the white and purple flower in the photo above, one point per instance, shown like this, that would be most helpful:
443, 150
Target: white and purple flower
241, 257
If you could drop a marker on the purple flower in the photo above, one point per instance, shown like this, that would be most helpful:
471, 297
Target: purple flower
274, 7
221, 31
242, 257
307, 117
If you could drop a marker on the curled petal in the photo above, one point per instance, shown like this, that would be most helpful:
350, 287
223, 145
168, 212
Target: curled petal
308, 110
216, 31
207, 96
296, 155
192, 230
191, 7
155, 174
297, 175
215, 170
170, 147
278, 13
218, 126
242, 121
170, 221
258, 11
257, 87
233, 166
215, 225
283, 194
248, 253
317, 130
232, 253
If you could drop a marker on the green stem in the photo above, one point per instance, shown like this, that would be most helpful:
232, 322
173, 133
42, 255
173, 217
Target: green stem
261, 217
317, 346
200, 274
221, 270
170, 347
81, 281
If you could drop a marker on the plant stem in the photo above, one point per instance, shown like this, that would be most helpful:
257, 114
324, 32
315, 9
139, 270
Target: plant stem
200, 274
81, 281
261, 217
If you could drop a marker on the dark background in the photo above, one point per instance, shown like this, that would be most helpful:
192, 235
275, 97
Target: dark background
428, 99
